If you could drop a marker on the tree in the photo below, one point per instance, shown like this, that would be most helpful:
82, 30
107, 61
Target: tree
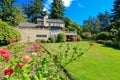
92, 25
34, 10
104, 19
8, 11
20, 17
72, 26
57, 11
116, 10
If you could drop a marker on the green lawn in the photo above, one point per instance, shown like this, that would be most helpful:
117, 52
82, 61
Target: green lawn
98, 63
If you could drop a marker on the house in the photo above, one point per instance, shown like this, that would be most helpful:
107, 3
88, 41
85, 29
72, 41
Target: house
43, 29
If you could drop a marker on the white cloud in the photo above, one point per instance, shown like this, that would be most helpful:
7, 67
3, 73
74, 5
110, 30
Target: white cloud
67, 3
80, 5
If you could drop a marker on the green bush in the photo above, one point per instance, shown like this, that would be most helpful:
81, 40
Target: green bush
6, 32
61, 37
110, 43
103, 36
38, 41
51, 39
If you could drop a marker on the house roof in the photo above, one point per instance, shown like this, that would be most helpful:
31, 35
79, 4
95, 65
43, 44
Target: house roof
55, 20
51, 20
26, 24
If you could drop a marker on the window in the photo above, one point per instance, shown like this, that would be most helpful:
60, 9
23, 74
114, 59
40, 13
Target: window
41, 23
43, 36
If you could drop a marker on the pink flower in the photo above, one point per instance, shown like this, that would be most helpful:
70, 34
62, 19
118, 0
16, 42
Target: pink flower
6, 55
27, 59
37, 47
9, 71
20, 65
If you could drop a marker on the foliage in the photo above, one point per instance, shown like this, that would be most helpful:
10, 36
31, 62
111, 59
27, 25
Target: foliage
104, 19
6, 32
34, 10
57, 10
38, 41
110, 43
98, 61
92, 25
37, 66
79, 38
52, 39
116, 10
61, 37
87, 35
20, 17
103, 36
72, 26
8, 12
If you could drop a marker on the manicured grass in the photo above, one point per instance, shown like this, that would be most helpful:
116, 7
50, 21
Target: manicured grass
98, 63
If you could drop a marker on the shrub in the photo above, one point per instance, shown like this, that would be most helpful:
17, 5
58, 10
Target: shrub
51, 39
43, 41
38, 41
6, 32
79, 38
87, 35
103, 36
110, 43
61, 37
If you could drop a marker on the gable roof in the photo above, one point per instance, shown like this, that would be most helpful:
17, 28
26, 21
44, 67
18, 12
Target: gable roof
27, 24
51, 20
55, 20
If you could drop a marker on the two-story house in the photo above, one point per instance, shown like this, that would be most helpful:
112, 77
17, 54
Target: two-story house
43, 29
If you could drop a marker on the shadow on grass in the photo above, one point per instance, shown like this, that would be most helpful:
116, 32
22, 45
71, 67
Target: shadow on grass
106, 46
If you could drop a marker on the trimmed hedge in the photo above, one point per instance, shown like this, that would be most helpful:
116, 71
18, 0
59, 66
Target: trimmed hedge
61, 37
110, 43
6, 32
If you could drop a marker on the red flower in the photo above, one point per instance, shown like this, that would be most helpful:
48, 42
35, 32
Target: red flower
20, 65
8, 71
19, 39
27, 59
91, 44
37, 47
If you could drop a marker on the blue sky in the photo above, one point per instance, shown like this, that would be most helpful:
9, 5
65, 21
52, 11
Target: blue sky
79, 10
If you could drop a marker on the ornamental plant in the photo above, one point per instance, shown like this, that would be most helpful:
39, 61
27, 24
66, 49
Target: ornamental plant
6, 32
39, 64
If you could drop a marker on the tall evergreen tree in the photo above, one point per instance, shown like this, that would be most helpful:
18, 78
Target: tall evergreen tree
8, 11
104, 19
34, 10
57, 11
116, 10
